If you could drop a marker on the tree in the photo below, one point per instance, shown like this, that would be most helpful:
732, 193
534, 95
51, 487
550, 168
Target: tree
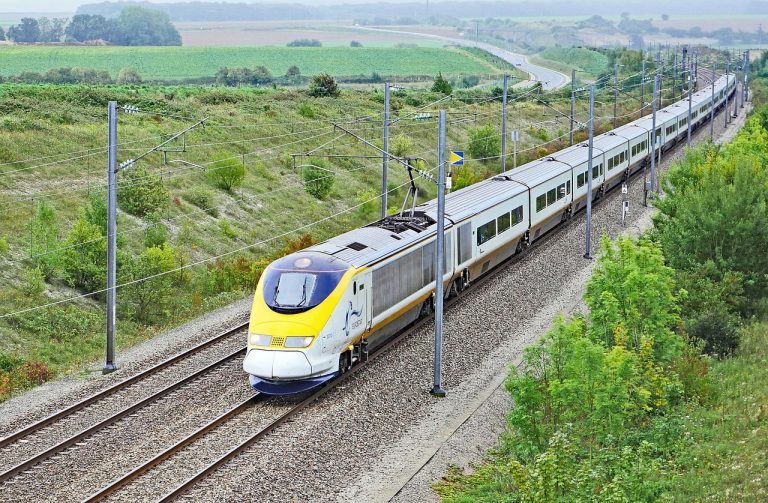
128, 76
28, 31
140, 26
484, 143
305, 42
84, 27
293, 72
51, 30
44, 239
227, 174
84, 257
149, 297
665, 17
441, 85
323, 85
2, 34
141, 193
355, 43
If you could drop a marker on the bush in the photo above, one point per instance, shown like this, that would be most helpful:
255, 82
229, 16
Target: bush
306, 111
34, 282
718, 330
484, 143
440, 85
84, 258
318, 180
323, 85
400, 145
128, 76
155, 235
304, 42
4, 245
226, 174
355, 43
149, 298
203, 199
470, 81
141, 193
44, 237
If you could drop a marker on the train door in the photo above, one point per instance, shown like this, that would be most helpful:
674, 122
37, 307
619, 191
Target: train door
361, 292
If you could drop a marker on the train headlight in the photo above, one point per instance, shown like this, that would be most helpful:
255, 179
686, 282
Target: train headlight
260, 340
298, 342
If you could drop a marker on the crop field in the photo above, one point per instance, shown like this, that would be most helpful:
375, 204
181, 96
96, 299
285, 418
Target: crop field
176, 63
240, 33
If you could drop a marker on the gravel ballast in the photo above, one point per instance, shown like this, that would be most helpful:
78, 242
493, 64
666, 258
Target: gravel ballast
365, 440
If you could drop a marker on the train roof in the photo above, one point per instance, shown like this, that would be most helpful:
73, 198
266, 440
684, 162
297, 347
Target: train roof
609, 140
631, 130
474, 199
537, 172
368, 245
576, 154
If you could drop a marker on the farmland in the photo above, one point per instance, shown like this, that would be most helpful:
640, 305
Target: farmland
177, 63
585, 60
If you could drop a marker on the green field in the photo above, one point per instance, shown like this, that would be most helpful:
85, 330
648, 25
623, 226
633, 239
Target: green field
564, 59
176, 63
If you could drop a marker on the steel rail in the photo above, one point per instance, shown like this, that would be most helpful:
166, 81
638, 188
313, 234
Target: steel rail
118, 483
113, 418
115, 388
232, 453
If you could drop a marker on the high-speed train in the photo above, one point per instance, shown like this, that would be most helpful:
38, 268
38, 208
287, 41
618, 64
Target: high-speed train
318, 311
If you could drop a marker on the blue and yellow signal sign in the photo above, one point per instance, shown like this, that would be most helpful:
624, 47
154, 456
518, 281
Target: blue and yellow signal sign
457, 158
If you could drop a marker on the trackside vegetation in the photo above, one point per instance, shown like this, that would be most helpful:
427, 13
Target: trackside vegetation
660, 392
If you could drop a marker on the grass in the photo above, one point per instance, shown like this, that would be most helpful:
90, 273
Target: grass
727, 458
564, 59
177, 63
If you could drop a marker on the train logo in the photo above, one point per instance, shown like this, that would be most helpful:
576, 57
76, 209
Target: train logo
350, 313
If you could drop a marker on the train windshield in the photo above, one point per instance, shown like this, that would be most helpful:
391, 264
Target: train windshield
301, 281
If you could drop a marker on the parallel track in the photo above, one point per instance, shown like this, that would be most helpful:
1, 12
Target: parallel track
64, 413
202, 474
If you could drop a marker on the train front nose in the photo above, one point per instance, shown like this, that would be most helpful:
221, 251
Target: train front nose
271, 364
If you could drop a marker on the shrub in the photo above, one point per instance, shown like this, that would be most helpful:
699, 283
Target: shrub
718, 330
484, 143
355, 43
304, 42
306, 111
470, 81
293, 72
141, 193
4, 245
226, 174
44, 237
155, 235
440, 85
400, 145
35, 372
463, 177
227, 230
203, 199
96, 211
323, 85
84, 258
34, 282
149, 298
318, 180
59, 324
128, 76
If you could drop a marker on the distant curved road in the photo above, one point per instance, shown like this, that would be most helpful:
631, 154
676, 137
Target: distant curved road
550, 79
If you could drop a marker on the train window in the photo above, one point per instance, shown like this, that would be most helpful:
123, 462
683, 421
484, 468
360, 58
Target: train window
561, 191
595, 171
551, 196
517, 215
354, 288
486, 232
294, 285
580, 180
541, 202
504, 222
568, 186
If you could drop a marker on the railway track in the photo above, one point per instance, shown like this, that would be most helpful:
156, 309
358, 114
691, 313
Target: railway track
24, 435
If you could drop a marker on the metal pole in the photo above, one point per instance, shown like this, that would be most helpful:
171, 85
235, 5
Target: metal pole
690, 104
674, 79
588, 244
653, 132
642, 89
573, 102
385, 160
615, 91
736, 89
746, 76
437, 389
659, 76
504, 126
712, 109
727, 79
110, 366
